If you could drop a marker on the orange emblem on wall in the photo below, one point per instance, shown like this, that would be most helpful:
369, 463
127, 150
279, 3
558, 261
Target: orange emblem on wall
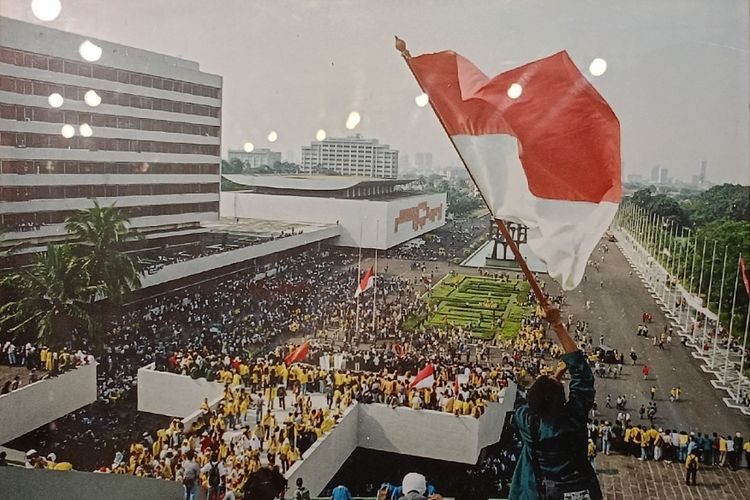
418, 216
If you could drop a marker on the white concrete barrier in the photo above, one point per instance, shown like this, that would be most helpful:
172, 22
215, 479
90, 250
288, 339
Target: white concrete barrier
172, 394
40, 403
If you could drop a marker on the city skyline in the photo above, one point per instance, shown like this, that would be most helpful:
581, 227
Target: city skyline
677, 72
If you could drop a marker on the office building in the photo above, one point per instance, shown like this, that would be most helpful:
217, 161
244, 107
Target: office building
352, 156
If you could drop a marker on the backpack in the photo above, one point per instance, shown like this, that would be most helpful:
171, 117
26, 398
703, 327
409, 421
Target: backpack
213, 475
302, 493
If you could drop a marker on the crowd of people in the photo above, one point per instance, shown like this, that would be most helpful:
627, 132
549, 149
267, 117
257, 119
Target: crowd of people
40, 362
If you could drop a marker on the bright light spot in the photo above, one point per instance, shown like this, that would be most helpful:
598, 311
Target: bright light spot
55, 100
353, 120
248, 147
68, 131
85, 130
514, 91
272, 136
320, 135
598, 66
46, 10
92, 98
422, 100
90, 51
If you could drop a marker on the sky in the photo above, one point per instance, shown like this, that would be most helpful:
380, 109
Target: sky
677, 70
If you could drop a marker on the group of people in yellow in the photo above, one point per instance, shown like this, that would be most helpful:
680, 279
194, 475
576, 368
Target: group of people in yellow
248, 434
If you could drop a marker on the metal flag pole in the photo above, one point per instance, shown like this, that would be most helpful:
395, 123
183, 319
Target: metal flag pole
731, 323
692, 272
540, 297
744, 355
359, 277
718, 315
707, 306
375, 287
700, 287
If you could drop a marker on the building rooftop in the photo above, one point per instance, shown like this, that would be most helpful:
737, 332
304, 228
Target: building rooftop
310, 182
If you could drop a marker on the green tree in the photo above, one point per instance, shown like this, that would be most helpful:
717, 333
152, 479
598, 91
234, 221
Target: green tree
99, 234
50, 297
234, 167
728, 201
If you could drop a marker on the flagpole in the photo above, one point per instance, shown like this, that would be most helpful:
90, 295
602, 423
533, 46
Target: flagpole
731, 323
744, 354
401, 47
359, 277
708, 297
718, 316
375, 285
700, 285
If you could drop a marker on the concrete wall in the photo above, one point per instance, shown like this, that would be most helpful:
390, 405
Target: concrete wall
25, 484
42, 402
171, 394
375, 221
420, 433
327, 455
202, 264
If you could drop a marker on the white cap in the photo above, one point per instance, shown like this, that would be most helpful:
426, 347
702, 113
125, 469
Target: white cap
31, 452
414, 481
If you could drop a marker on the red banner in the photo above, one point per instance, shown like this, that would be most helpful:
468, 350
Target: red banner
744, 275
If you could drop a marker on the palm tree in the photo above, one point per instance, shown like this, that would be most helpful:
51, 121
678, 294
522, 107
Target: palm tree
100, 232
52, 297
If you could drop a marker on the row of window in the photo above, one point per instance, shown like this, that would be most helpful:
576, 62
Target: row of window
72, 92
59, 65
27, 140
32, 113
83, 167
58, 217
26, 193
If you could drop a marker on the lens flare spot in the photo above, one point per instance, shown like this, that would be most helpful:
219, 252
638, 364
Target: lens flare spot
90, 51
46, 10
68, 131
515, 91
55, 100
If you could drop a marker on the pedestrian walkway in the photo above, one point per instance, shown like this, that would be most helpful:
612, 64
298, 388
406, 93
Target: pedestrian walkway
623, 478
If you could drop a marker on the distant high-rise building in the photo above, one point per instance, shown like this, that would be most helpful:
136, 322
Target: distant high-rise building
255, 158
353, 155
423, 161
702, 175
659, 175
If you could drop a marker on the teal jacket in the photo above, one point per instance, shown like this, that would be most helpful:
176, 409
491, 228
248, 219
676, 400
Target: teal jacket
561, 445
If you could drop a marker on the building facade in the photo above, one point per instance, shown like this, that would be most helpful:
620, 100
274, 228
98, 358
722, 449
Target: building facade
356, 155
256, 158
152, 144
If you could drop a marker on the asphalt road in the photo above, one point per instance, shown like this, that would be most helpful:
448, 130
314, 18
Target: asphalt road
615, 312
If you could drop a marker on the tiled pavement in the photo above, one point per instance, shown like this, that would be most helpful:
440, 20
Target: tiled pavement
624, 477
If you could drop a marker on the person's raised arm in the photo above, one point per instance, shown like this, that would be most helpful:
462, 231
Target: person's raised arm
552, 315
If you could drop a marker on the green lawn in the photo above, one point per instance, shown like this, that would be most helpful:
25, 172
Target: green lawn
477, 303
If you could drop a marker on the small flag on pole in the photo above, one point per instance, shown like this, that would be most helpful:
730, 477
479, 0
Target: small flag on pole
424, 379
366, 283
541, 145
744, 275
299, 354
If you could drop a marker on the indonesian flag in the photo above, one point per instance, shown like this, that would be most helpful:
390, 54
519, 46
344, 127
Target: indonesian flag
366, 283
744, 275
298, 354
424, 379
540, 143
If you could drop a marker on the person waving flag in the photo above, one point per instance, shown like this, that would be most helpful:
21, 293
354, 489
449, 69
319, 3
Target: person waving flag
541, 145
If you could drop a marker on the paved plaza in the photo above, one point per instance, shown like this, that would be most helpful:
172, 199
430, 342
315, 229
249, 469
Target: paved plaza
625, 478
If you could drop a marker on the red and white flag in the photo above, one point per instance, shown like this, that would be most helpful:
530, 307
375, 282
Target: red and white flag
540, 143
744, 275
368, 280
299, 354
424, 379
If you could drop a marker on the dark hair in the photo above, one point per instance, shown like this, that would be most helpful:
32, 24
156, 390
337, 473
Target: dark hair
546, 397
264, 484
